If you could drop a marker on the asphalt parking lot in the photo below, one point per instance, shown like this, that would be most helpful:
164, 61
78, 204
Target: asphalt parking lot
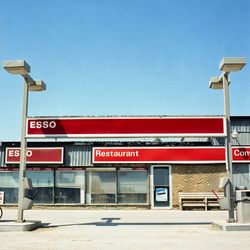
123, 229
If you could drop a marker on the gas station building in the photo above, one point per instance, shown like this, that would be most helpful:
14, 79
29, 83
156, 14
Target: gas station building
148, 171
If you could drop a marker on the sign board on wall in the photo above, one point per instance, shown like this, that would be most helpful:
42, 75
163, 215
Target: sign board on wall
158, 155
35, 155
180, 155
241, 154
126, 127
161, 194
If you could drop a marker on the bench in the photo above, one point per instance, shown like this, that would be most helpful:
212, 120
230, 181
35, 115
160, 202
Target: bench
206, 200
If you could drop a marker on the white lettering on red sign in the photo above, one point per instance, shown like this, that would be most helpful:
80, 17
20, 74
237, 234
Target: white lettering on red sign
238, 152
159, 154
42, 124
16, 153
125, 127
35, 155
111, 153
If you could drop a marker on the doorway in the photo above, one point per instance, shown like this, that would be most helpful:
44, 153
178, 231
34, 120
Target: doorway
161, 197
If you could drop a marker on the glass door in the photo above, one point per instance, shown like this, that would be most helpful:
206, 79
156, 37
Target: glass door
160, 180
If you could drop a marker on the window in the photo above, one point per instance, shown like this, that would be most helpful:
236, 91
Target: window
9, 182
104, 185
161, 176
101, 187
132, 187
69, 186
43, 185
125, 186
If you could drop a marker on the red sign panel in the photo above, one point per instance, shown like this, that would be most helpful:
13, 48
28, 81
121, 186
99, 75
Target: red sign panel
126, 127
185, 155
35, 155
159, 155
241, 154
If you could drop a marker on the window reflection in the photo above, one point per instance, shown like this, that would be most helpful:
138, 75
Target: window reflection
69, 187
43, 185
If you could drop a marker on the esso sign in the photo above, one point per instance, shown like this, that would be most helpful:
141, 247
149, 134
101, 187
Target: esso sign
35, 155
121, 127
16, 153
42, 124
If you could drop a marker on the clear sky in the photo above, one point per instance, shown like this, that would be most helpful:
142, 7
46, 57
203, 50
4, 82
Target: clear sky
122, 57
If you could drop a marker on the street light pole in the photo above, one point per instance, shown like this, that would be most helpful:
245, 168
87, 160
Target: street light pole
229, 187
22, 170
20, 67
228, 65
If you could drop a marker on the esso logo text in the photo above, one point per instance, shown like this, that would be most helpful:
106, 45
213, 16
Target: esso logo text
16, 153
42, 124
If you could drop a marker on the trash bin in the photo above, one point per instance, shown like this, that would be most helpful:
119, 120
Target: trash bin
243, 206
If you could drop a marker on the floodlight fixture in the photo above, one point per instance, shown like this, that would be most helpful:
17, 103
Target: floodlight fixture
17, 67
38, 85
232, 64
215, 83
235, 134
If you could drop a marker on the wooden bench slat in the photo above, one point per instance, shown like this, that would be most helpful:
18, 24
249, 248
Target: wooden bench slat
199, 199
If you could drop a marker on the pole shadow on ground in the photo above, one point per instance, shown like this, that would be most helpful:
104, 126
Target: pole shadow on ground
113, 222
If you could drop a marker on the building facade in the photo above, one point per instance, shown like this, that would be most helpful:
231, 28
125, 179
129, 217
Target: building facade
79, 179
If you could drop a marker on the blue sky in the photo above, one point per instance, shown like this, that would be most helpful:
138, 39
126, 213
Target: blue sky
122, 57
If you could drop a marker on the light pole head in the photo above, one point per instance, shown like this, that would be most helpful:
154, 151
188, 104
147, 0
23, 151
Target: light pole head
20, 67
17, 67
232, 64
215, 83
38, 85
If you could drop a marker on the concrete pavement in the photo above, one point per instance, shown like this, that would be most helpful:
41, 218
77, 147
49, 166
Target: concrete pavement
123, 229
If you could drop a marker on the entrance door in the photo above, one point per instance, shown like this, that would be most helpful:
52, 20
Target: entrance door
160, 180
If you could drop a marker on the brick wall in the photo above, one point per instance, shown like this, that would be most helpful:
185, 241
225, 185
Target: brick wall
195, 178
